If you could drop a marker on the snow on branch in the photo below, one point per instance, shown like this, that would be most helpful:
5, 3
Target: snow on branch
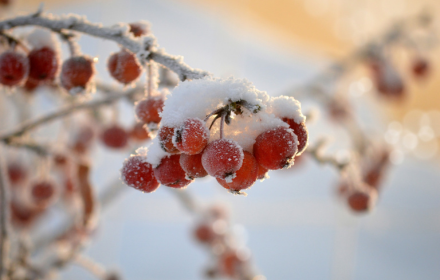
144, 47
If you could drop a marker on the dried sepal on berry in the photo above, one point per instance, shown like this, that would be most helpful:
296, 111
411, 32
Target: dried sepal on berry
192, 137
245, 177
276, 148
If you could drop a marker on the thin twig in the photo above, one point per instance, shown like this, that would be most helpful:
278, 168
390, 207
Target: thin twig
144, 47
4, 238
25, 127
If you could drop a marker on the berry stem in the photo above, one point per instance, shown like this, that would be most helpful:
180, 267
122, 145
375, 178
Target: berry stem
222, 121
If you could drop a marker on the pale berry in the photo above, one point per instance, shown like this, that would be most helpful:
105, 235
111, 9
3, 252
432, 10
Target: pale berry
43, 63
192, 137
14, 68
170, 173
245, 177
77, 72
138, 174
124, 66
192, 165
148, 110
301, 133
83, 138
275, 148
115, 137
166, 135
222, 158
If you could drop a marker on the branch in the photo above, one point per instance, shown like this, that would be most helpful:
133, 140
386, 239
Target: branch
316, 153
144, 47
4, 239
32, 124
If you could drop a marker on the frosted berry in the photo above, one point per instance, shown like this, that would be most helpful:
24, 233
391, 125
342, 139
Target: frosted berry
204, 233
192, 165
43, 64
245, 177
362, 201
124, 66
166, 135
275, 148
77, 72
148, 110
301, 132
115, 137
14, 68
262, 172
139, 132
138, 29
170, 173
17, 173
138, 173
42, 192
192, 137
222, 158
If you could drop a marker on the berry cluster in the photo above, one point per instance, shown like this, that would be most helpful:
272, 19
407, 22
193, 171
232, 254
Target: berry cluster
231, 258
223, 128
36, 61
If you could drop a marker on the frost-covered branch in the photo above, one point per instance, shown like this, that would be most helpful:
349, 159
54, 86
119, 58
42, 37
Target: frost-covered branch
32, 124
144, 47
316, 152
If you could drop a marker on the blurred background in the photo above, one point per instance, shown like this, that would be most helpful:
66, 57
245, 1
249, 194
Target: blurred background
293, 223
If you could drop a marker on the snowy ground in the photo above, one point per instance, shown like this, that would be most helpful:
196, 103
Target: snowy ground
294, 225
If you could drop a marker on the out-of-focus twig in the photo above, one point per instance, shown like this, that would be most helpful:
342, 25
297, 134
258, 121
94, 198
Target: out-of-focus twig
4, 238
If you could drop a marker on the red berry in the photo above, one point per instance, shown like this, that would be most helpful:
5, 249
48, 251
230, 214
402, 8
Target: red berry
222, 158
124, 66
192, 137
115, 137
42, 192
148, 110
170, 173
362, 201
192, 165
138, 29
5, 2
420, 67
138, 173
262, 171
30, 85
43, 63
301, 132
14, 67
23, 215
275, 148
245, 177
17, 173
139, 132
230, 263
204, 233
77, 72
166, 135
